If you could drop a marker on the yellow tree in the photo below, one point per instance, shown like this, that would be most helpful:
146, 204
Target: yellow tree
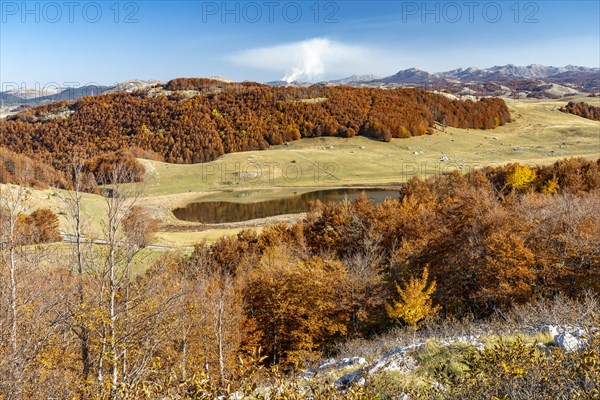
415, 301
551, 186
521, 177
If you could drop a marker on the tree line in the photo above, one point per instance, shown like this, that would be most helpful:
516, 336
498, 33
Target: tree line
20, 169
582, 109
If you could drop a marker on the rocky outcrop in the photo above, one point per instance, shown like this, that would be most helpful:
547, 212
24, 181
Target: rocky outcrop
568, 338
400, 359
569, 343
394, 360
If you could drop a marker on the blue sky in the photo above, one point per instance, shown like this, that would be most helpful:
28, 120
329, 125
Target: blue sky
112, 41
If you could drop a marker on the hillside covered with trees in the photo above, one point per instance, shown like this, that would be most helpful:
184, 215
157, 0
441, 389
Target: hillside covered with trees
18, 168
198, 120
113, 324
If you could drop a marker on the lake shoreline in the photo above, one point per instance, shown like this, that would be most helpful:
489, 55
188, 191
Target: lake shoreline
237, 207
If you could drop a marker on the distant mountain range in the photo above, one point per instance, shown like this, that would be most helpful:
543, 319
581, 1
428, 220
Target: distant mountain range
40, 96
533, 81
356, 79
503, 73
510, 71
47, 95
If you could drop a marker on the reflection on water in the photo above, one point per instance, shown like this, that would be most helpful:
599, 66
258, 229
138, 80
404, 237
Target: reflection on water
215, 212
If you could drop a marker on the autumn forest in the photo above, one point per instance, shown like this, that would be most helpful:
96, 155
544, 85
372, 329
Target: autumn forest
115, 316
198, 120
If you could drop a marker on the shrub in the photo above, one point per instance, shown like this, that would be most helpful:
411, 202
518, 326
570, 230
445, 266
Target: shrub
118, 167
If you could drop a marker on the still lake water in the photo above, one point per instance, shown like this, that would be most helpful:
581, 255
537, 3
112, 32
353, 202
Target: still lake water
218, 212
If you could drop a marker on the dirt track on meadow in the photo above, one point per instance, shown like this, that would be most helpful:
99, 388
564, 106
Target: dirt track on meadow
254, 223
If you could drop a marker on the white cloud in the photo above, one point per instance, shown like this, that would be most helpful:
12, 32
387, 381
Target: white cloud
310, 59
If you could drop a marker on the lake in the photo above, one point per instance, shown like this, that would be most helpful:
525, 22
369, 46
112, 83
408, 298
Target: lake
217, 212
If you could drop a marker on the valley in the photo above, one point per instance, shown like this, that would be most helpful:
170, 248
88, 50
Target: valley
539, 135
